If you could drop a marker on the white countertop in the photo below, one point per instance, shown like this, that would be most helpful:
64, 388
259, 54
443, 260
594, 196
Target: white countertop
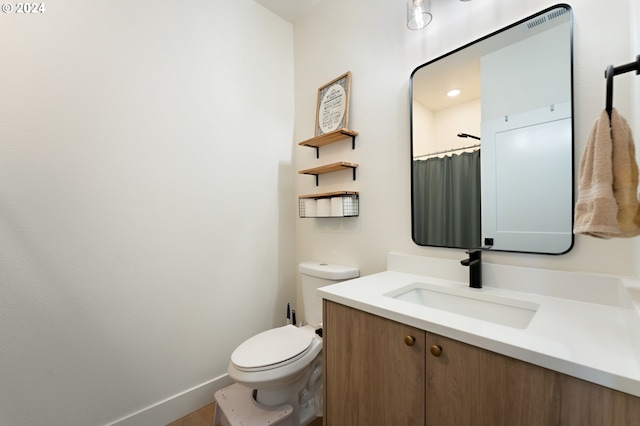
594, 341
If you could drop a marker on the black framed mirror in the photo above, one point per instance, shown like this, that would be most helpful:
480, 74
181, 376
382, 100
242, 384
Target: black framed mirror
492, 167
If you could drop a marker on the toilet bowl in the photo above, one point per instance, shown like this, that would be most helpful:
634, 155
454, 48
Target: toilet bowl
275, 360
283, 366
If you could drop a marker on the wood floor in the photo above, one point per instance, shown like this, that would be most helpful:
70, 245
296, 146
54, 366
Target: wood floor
204, 417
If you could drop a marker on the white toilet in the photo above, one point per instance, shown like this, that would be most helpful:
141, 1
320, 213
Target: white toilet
279, 371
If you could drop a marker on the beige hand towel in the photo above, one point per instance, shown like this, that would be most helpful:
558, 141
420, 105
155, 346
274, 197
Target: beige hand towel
607, 204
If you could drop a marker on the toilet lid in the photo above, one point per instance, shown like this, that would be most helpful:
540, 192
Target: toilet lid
271, 347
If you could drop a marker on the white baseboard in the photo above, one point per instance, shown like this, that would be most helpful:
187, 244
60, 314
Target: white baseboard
177, 406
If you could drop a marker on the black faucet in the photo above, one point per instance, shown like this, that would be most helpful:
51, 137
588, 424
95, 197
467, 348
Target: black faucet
474, 262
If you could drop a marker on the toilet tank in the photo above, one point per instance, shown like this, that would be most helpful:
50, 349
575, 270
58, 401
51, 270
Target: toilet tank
314, 275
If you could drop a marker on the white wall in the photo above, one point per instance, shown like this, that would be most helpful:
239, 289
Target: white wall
146, 202
423, 129
437, 131
371, 40
540, 60
461, 118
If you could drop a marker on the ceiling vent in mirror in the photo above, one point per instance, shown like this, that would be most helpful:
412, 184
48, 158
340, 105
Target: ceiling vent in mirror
545, 18
538, 21
558, 12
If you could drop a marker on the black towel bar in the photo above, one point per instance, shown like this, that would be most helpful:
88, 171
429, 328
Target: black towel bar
612, 71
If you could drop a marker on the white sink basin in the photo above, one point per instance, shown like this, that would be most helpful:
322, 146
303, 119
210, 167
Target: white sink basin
471, 303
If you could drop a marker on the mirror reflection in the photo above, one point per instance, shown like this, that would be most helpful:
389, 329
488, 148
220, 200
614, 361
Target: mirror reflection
492, 141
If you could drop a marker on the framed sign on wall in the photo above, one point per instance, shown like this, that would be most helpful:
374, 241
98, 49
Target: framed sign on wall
333, 105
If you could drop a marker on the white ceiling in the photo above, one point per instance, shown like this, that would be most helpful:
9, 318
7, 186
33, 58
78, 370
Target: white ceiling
291, 10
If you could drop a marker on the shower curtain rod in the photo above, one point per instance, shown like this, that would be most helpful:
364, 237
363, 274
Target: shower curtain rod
612, 71
447, 151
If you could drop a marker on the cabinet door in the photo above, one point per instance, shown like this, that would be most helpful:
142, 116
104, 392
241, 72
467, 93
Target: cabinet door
472, 386
371, 375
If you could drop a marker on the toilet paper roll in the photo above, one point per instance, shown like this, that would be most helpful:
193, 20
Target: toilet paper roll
336, 206
310, 207
324, 207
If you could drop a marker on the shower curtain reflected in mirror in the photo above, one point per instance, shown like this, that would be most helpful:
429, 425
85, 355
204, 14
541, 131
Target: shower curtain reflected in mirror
446, 191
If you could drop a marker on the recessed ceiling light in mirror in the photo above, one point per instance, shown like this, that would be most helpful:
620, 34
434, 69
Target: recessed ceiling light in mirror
453, 92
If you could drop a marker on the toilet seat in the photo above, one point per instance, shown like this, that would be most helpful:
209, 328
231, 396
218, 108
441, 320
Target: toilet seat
272, 349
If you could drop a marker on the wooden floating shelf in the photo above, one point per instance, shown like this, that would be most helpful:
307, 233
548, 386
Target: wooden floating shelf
329, 138
329, 194
329, 168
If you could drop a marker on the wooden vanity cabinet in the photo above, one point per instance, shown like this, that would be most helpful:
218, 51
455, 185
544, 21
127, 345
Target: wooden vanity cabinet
468, 385
372, 377
472, 386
